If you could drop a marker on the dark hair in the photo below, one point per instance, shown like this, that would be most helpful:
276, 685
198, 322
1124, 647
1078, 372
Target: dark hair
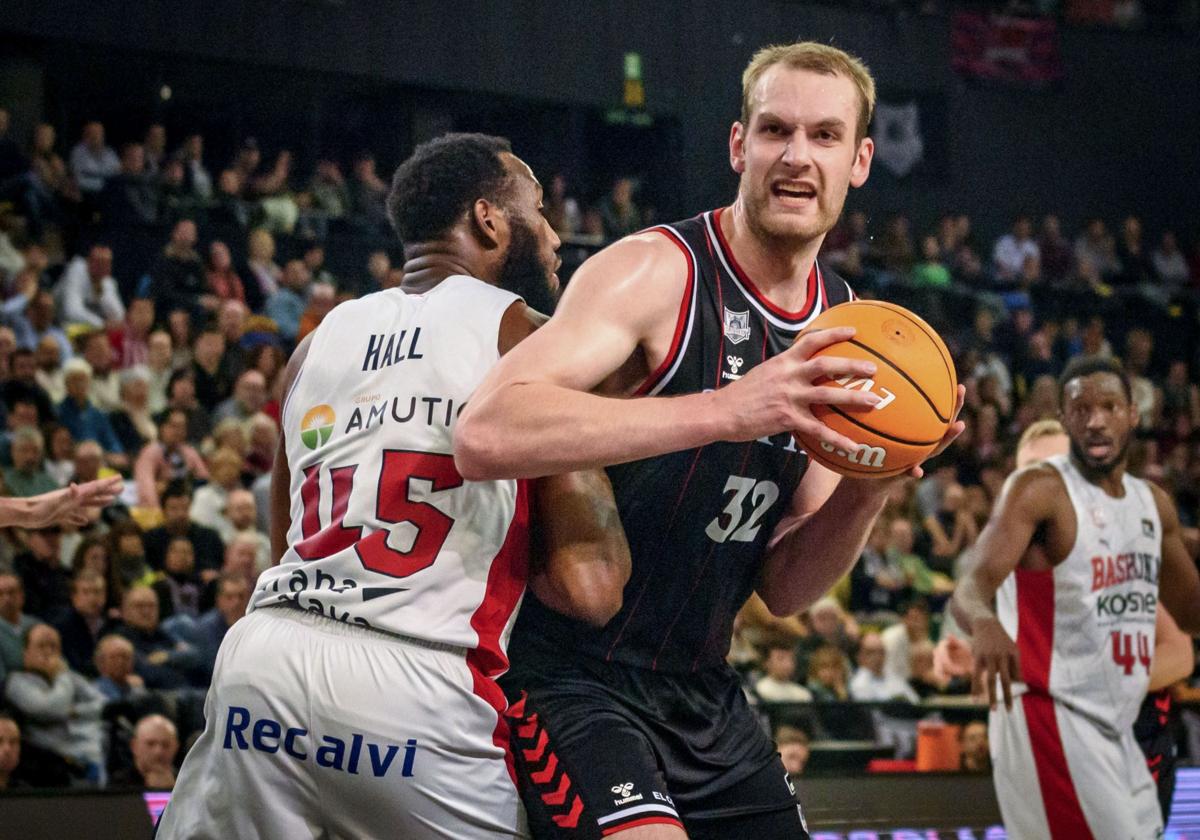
177, 489
181, 373
1087, 365
443, 178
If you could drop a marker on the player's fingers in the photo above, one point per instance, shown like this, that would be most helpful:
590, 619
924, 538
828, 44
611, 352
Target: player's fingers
835, 367
958, 403
811, 341
1006, 683
989, 676
832, 395
816, 429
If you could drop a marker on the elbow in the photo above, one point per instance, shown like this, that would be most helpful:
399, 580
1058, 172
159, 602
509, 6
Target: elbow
777, 606
477, 454
592, 595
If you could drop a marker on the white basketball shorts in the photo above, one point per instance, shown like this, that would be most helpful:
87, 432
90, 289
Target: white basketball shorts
1059, 775
318, 729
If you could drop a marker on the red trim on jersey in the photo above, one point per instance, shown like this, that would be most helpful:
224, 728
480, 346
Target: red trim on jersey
1035, 643
1035, 626
1064, 814
810, 296
647, 821
505, 585
681, 322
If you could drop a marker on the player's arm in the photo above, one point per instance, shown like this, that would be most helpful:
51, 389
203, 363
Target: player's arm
281, 475
1173, 655
580, 559
836, 514
1178, 583
532, 415
1026, 501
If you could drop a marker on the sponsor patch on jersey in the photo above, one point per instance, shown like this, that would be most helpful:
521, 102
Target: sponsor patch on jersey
316, 427
737, 326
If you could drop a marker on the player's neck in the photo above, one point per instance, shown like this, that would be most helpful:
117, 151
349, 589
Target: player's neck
429, 263
779, 268
1111, 481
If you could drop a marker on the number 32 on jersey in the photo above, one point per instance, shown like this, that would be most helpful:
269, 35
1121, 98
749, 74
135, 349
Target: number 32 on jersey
748, 501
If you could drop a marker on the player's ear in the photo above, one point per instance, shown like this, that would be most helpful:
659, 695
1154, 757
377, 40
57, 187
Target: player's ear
737, 147
488, 222
862, 162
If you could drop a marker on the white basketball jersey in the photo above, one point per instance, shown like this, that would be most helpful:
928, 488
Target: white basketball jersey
1085, 630
384, 531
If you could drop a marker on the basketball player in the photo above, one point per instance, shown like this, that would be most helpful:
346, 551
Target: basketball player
1074, 554
1172, 660
357, 698
640, 729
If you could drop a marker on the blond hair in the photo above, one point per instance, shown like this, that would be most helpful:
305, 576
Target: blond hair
817, 58
1040, 429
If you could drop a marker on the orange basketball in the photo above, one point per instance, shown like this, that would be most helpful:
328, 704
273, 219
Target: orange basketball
914, 377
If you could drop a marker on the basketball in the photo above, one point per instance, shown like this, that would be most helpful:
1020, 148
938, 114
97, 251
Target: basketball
914, 378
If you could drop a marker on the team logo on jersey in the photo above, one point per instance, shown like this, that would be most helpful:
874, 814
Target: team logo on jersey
1147, 528
626, 794
316, 427
737, 326
735, 364
623, 790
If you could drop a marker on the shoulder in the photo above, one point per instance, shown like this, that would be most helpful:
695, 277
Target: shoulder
1038, 483
1167, 512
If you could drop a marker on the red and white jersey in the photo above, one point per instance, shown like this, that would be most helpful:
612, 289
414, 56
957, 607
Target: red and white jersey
384, 531
1085, 629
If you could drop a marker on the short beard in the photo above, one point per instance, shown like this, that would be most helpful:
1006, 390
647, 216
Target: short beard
783, 240
1104, 468
523, 272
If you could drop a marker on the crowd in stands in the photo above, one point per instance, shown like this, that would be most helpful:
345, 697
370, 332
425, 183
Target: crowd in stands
148, 303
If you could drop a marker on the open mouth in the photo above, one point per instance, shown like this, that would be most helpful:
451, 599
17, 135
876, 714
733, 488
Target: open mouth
1099, 449
791, 192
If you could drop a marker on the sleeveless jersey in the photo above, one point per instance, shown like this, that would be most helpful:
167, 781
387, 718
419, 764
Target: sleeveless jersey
384, 531
698, 521
1085, 629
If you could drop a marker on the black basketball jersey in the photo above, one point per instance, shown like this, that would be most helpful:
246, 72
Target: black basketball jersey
698, 521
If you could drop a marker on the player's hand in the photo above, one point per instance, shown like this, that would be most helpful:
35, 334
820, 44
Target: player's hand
955, 429
952, 657
70, 506
995, 656
777, 395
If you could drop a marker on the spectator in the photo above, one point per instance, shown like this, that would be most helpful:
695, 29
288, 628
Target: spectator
877, 582
23, 385
196, 178
264, 443
249, 397
133, 425
93, 162
169, 459
278, 208
1169, 264
1057, 256
210, 501
10, 751
27, 476
154, 745
321, 301
60, 461
85, 421
368, 195
976, 755
870, 682
827, 675
619, 214
793, 746
116, 678
131, 340
129, 200
181, 396
265, 273
899, 639
22, 415
930, 273
921, 579
287, 305
155, 146
158, 369
47, 586
229, 213
89, 462
925, 679
96, 350
561, 211
779, 685
179, 326
14, 623
241, 512
82, 625
213, 378
952, 529
177, 277
328, 190
1137, 268
161, 661
1096, 246
314, 260
89, 293
232, 597
40, 322
241, 559
378, 266
53, 188
178, 589
128, 567
60, 708
49, 374
223, 280
896, 252
176, 502
14, 310
1014, 248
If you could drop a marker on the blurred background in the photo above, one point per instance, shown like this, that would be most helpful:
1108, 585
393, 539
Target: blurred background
187, 187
